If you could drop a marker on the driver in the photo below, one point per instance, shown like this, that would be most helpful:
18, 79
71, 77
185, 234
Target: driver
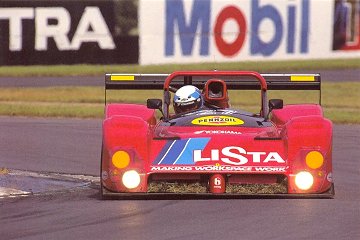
187, 98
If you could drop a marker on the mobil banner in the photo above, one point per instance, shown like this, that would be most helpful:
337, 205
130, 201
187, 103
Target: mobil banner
180, 31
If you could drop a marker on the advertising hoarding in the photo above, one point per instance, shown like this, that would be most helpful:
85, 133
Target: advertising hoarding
63, 32
185, 31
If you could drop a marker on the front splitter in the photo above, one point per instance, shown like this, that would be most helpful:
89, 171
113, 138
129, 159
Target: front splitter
143, 196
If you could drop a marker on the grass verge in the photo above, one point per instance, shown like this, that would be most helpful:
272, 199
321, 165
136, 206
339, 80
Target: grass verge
99, 70
340, 100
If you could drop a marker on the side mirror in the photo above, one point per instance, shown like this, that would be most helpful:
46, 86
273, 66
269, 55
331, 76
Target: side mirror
154, 103
275, 104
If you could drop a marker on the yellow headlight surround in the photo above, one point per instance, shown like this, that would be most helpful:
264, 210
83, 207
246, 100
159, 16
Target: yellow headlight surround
121, 159
314, 160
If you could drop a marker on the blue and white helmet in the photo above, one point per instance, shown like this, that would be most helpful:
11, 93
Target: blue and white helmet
187, 98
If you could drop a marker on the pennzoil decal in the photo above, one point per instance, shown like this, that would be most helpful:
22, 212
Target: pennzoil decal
217, 121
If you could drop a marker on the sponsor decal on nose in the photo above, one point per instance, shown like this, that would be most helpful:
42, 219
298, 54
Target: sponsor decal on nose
217, 121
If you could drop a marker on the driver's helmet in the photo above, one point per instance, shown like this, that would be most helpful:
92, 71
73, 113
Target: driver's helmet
186, 99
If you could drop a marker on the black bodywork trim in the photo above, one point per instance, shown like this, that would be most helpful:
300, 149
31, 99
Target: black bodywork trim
267, 138
166, 138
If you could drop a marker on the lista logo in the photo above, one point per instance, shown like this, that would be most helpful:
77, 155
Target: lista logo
237, 156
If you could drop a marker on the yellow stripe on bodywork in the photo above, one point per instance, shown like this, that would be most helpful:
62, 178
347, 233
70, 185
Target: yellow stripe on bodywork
122, 78
302, 78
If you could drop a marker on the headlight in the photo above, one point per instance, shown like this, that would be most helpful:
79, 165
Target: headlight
131, 179
304, 180
314, 159
121, 159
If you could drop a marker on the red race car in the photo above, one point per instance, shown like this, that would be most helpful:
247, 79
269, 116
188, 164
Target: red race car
192, 142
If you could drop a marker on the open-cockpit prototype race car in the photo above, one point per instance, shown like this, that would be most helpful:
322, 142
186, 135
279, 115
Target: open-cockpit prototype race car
215, 150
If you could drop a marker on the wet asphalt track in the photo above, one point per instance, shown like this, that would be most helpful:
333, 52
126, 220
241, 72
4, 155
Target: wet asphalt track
73, 146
